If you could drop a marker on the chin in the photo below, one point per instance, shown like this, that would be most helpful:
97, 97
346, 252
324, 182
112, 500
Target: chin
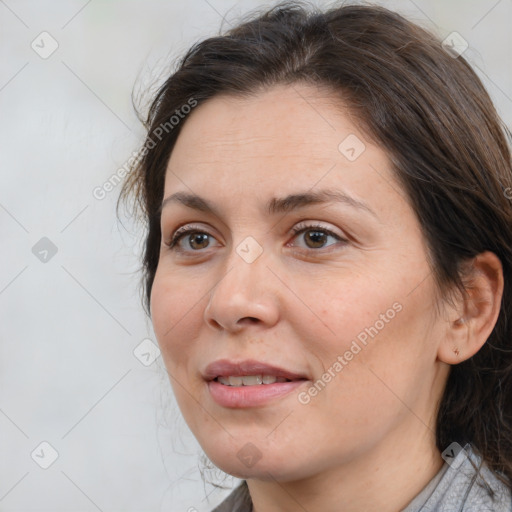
248, 463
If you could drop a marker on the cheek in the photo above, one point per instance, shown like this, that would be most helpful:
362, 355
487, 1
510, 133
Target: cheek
174, 313
373, 328
334, 316
387, 358
370, 385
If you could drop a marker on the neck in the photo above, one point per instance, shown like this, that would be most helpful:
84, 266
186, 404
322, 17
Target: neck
383, 479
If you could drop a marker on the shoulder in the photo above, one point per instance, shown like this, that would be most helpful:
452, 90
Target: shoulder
468, 485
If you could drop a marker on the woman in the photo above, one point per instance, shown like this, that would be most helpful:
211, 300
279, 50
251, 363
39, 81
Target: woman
328, 264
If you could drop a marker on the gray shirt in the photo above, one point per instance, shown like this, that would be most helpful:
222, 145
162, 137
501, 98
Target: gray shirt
457, 487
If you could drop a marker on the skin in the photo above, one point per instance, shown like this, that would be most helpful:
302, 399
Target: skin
366, 441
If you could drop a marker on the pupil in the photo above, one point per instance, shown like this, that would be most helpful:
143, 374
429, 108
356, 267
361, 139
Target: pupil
201, 239
316, 237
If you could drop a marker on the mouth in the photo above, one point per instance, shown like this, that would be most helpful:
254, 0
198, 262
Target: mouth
249, 383
250, 380
248, 373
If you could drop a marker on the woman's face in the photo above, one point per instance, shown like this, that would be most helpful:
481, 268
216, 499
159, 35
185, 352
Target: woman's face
305, 260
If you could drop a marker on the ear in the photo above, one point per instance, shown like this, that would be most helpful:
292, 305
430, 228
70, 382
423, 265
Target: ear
469, 325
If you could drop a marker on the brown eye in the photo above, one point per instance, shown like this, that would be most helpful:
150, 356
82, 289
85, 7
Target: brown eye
189, 239
315, 239
198, 240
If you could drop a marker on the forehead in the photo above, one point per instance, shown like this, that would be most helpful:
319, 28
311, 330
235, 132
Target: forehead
290, 120
274, 143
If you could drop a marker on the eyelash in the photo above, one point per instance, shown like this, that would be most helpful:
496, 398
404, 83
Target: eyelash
302, 228
181, 233
299, 229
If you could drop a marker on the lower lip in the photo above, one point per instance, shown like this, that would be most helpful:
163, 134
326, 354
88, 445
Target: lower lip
250, 396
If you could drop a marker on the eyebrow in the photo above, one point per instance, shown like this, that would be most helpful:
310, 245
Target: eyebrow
274, 205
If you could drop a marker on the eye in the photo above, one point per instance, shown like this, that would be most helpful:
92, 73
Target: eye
316, 236
190, 238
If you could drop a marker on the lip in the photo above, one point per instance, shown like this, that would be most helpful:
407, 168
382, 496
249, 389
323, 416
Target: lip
249, 396
225, 368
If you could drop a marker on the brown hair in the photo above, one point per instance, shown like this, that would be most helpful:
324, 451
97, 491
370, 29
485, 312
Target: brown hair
429, 111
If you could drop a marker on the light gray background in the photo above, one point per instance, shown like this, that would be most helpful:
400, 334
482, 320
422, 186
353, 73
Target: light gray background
69, 325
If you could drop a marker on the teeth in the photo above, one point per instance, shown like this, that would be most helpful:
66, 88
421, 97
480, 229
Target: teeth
250, 380
235, 381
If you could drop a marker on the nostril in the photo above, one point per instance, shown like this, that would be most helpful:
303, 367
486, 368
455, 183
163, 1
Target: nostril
249, 319
215, 324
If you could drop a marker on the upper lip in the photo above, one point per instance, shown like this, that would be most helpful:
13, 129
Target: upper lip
226, 368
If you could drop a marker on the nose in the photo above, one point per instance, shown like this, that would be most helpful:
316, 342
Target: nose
245, 294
